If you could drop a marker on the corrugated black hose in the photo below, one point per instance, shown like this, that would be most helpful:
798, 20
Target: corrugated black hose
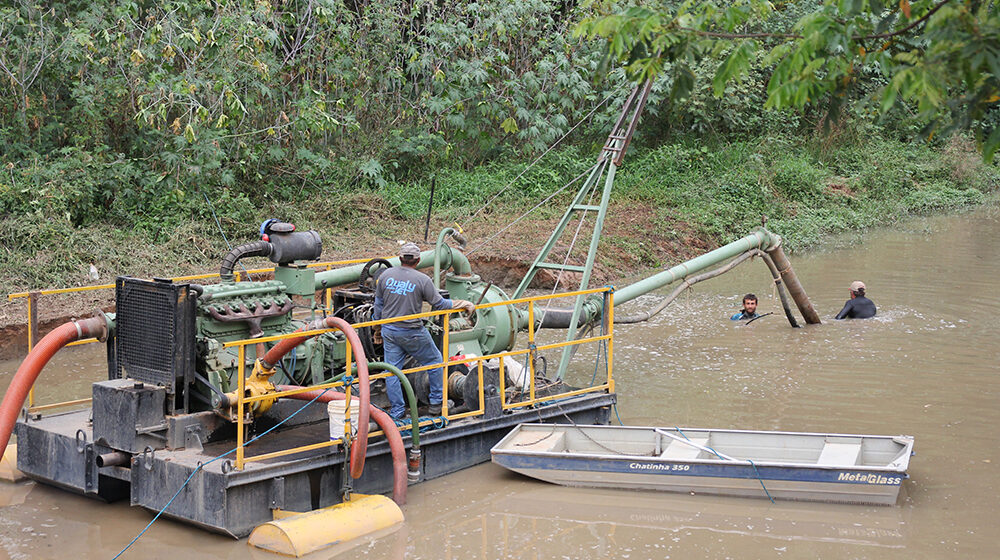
254, 249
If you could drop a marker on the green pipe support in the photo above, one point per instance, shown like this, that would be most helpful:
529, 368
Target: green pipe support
437, 255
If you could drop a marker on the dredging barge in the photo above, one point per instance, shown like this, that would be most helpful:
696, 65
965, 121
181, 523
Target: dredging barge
206, 382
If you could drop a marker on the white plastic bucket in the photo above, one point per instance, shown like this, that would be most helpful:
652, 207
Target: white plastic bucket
336, 411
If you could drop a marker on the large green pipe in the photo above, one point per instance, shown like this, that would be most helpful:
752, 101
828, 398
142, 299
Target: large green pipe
454, 259
760, 239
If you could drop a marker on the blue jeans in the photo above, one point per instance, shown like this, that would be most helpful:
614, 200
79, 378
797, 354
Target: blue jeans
400, 343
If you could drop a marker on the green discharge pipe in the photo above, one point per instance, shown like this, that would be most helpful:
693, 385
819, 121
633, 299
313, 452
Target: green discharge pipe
411, 398
760, 239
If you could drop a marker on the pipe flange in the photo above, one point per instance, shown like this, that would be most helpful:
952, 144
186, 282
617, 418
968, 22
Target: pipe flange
105, 327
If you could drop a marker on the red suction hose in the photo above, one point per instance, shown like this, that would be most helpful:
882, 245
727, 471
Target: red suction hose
360, 447
32, 365
388, 426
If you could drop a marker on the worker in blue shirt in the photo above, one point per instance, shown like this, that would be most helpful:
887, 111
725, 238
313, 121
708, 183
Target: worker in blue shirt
749, 310
402, 291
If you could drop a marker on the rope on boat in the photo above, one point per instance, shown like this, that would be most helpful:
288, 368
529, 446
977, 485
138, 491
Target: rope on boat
586, 435
761, 480
539, 440
202, 465
756, 472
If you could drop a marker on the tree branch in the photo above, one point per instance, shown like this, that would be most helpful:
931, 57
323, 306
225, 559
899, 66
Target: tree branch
720, 35
908, 27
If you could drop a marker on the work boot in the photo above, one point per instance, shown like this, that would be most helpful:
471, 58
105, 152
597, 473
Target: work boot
435, 409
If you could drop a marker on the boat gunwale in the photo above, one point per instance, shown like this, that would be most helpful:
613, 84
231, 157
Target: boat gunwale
903, 455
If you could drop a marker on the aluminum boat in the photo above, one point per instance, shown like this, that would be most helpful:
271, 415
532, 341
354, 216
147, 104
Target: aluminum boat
844, 468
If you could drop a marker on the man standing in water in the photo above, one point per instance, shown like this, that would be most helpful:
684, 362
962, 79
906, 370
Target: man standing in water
858, 307
402, 291
749, 310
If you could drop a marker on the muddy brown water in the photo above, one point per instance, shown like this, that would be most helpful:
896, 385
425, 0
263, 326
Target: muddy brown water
926, 366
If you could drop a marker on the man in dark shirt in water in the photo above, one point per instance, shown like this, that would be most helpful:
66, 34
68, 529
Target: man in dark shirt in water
858, 307
749, 310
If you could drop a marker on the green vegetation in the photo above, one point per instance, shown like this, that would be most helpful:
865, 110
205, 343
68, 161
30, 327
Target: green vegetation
126, 127
936, 58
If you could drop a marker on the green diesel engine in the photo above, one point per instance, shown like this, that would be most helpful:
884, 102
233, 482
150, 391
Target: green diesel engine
174, 335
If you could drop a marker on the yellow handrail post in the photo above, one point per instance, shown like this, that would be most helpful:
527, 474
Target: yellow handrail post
482, 390
503, 383
444, 366
241, 388
531, 348
611, 338
329, 293
32, 331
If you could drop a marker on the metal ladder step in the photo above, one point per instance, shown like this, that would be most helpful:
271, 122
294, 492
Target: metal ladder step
554, 266
586, 207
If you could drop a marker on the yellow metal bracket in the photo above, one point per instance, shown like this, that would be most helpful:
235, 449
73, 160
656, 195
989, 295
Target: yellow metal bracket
258, 384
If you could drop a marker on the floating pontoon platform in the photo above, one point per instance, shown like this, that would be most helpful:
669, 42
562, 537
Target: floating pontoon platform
60, 450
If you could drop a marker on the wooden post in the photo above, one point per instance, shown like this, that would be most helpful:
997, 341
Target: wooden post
795, 289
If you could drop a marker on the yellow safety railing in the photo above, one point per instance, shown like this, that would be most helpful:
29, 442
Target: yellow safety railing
531, 350
32, 322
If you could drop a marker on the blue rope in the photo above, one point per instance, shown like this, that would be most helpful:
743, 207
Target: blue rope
616, 415
756, 472
706, 447
761, 480
201, 465
597, 363
406, 426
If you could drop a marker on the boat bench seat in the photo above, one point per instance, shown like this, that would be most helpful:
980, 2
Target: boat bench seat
683, 451
839, 454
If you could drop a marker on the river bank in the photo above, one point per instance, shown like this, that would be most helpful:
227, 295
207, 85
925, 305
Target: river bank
670, 203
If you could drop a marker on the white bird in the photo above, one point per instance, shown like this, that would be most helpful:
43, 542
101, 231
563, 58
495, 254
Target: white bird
94, 275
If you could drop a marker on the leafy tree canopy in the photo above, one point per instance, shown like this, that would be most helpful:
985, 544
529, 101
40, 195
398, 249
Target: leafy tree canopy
937, 59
